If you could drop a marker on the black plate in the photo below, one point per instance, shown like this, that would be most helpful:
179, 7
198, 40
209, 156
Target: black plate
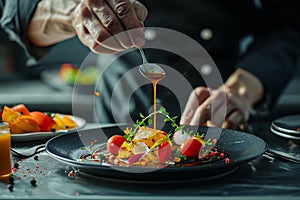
287, 126
239, 146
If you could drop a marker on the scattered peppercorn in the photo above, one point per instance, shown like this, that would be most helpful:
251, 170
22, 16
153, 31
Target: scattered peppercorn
67, 126
10, 187
53, 130
33, 182
36, 157
11, 180
71, 174
16, 165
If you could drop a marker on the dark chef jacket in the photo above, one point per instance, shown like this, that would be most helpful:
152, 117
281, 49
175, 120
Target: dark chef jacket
272, 55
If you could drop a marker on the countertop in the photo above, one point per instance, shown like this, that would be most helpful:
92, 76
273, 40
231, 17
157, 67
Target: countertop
262, 178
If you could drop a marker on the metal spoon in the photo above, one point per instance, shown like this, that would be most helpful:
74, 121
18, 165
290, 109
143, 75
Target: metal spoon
151, 71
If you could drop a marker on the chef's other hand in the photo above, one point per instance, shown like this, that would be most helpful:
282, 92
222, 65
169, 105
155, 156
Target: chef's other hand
99, 24
228, 106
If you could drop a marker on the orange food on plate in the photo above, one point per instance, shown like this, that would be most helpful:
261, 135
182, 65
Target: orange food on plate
45, 121
24, 124
21, 120
8, 114
63, 122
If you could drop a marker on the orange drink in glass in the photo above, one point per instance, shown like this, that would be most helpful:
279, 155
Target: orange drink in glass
5, 144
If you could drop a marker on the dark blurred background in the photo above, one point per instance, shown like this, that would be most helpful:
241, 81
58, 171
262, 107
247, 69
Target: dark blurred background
20, 83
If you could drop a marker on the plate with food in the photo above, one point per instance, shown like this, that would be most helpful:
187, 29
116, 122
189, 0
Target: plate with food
139, 152
26, 125
68, 75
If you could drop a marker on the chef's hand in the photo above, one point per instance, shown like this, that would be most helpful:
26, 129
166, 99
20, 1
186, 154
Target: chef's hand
228, 106
99, 24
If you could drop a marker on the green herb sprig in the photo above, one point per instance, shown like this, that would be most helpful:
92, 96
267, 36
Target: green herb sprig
146, 120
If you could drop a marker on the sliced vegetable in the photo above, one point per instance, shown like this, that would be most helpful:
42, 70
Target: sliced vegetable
21, 108
24, 124
45, 121
9, 114
191, 147
134, 158
164, 152
114, 144
68, 122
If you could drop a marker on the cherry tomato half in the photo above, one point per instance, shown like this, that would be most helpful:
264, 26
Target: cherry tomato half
114, 143
191, 147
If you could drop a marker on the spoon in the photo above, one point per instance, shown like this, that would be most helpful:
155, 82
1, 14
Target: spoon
25, 153
151, 71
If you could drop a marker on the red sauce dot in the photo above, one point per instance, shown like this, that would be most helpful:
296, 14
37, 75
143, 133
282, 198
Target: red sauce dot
227, 160
71, 174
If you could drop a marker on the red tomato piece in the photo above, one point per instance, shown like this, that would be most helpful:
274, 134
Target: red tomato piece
191, 147
114, 143
164, 152
45, 121
134, 158
21, 108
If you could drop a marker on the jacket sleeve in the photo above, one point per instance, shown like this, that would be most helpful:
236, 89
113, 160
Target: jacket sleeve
16, 15
273, 58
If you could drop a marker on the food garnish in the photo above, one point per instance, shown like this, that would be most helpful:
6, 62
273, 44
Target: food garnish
148, 147
22, 120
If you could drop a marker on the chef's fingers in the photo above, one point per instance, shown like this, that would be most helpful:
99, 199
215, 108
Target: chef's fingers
108, 19
201, 115
213, 109
196, 98
127, 15
98, 31
233, 120
238, 117
87, 39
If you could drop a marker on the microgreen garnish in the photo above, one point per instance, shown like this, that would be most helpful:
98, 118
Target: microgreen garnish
182, 157
146, 120
102, 157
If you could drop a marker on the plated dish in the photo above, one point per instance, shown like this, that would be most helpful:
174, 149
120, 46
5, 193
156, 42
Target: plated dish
34, 136
68, 75
240, 147
25, 124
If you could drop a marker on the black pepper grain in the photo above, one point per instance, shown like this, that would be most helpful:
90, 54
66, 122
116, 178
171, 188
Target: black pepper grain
16, 165
33, 182
11, 180
53, 130
36, 157
10, 187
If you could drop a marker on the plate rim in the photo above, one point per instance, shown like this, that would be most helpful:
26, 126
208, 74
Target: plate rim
282, 129
284, 135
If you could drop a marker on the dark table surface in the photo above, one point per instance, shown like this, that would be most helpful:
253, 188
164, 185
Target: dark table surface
266, 177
